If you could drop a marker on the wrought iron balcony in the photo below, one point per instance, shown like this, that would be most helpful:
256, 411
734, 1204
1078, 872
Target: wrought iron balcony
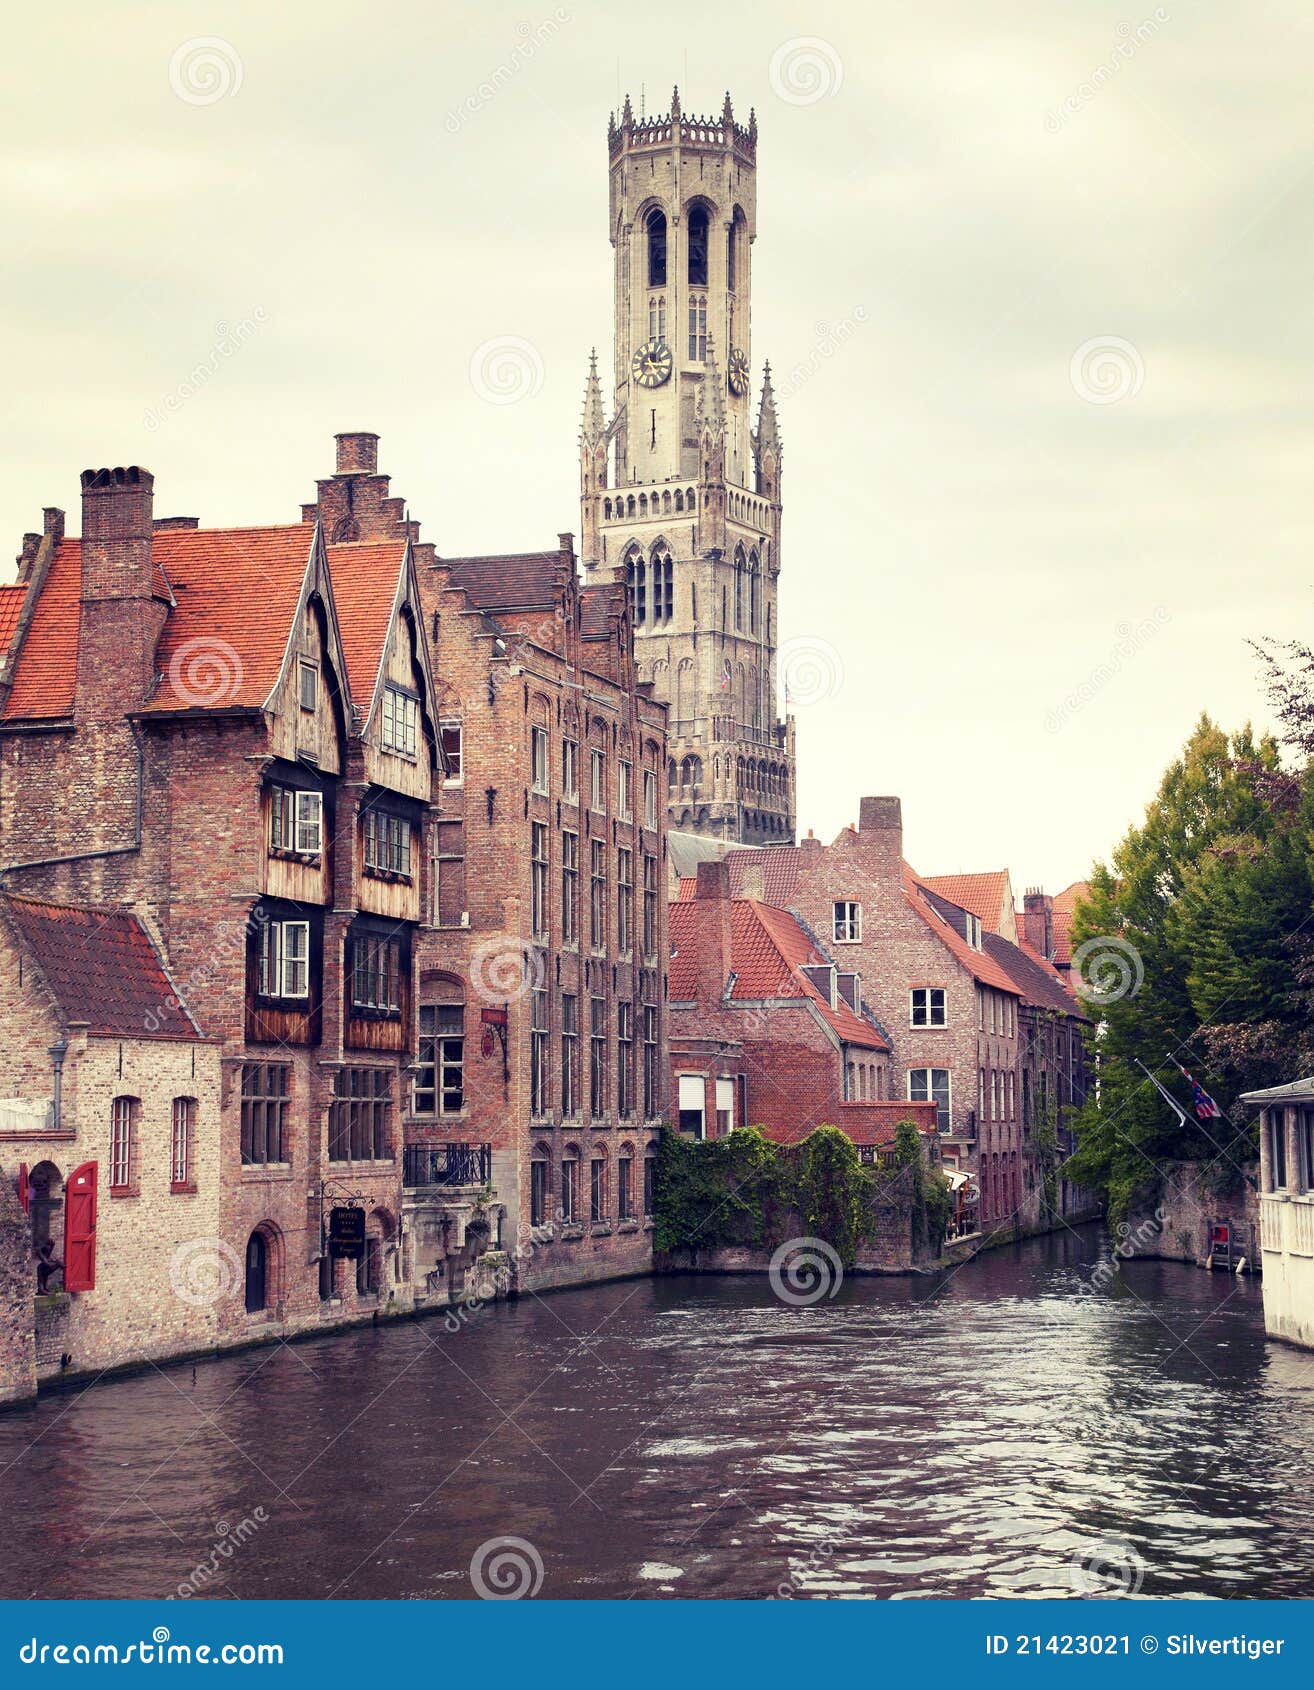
447, 1165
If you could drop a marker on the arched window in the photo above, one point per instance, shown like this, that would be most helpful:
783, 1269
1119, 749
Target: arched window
679, 499
45, 1202
663, 586
698, 327
599, 1195
730, 258
754, 591
636, 579
657, 317
656, 249
739, 587
698, 246
570, 1184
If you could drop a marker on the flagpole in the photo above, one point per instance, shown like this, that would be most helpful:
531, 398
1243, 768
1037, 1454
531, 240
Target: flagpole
1166, 1095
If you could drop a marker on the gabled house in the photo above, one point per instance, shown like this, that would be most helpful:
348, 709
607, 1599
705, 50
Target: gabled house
232, 734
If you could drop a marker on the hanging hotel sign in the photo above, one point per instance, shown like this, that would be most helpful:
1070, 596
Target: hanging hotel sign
346, 1234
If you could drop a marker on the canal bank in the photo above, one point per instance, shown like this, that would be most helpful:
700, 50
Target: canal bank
1043, 1420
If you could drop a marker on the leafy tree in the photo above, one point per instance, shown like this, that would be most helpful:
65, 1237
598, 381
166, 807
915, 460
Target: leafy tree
1196, 908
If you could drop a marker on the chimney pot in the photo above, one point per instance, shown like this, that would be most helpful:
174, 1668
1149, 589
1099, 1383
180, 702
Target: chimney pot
713, 879
358, 454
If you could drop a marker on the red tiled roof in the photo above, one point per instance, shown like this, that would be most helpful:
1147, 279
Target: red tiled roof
237, 592
234, 592
768, 951
1065, 906
365, 576
11, 602
983, 894
978, 963
514, 581
1071, 896
780, 866
101, 969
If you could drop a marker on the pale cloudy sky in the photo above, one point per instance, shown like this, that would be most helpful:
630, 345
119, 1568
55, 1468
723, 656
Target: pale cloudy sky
1020, 597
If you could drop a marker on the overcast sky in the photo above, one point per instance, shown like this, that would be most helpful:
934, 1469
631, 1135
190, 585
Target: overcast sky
1035, 281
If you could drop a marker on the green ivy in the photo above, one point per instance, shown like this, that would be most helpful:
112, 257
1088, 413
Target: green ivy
746, 1190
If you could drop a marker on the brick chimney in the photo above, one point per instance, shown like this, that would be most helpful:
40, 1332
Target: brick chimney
358, 454
880, 835
121, 619
715, 945
354, 503
1038, 921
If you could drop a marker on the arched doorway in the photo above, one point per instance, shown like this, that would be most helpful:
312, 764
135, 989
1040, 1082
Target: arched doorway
257, 1273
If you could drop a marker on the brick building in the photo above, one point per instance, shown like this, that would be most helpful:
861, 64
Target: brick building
766, 1030
547, 928
238, 742
978, 1019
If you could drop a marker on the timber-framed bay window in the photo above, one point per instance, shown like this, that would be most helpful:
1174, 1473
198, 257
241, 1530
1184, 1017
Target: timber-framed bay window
376, 974
399, 722
285, 958
296, 821
387, 844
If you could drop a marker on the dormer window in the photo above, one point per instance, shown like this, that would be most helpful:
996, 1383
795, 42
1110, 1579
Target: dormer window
401, 722
308, 684
973, 931
296, 821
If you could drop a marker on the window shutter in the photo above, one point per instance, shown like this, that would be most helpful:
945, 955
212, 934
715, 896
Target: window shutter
24, 1188
80, 1229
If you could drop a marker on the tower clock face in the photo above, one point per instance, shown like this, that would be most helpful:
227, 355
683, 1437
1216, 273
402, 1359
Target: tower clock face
738, 370
651, 364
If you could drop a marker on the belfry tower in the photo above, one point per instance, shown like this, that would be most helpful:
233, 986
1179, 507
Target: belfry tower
679, 493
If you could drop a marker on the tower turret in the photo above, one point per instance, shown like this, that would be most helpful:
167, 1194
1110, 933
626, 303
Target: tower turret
689, 515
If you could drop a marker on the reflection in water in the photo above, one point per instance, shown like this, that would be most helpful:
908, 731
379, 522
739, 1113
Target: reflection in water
1008, 1429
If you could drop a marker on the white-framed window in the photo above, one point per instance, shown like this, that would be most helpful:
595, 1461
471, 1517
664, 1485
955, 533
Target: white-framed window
932, 1085
598, 780
847, 922
440, 1071
570, 769
308, 684
401, 722
649, 798
725, 1105
296, 820
184, 1134
693, 1103
538, 753
974, 931
285, 959
123, 1144
928, 1007
625, 791
453, 749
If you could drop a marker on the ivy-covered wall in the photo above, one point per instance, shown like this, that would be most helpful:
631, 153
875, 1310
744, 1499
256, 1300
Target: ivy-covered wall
744, 1195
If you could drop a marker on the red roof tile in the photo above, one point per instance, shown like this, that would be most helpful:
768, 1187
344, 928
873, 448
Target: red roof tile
979, 964
11, 602
780, 866
983, 894
101, 969
1038, 982
365, 576
768, 952
237, 592
600, 606
45, 670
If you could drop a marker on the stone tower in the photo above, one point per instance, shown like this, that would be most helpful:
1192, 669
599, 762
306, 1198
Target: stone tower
679, 493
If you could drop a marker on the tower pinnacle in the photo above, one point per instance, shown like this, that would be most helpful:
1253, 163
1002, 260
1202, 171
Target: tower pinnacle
594, 423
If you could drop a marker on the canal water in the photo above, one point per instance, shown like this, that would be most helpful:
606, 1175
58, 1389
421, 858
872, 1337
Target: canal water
1036, 1423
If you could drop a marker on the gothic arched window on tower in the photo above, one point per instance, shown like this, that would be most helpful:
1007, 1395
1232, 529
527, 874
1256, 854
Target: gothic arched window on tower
754, 590
698, 327
636, 579
698, 246
656, 249
739, 588
663, 587
657, 317
730, 259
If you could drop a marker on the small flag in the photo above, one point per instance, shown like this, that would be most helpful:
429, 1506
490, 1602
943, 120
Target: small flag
1205, 1107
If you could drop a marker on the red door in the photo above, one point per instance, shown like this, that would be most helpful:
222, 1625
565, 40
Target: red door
80, 1229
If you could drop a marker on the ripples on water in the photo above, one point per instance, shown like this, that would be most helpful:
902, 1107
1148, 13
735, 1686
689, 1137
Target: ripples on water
1007, 1431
